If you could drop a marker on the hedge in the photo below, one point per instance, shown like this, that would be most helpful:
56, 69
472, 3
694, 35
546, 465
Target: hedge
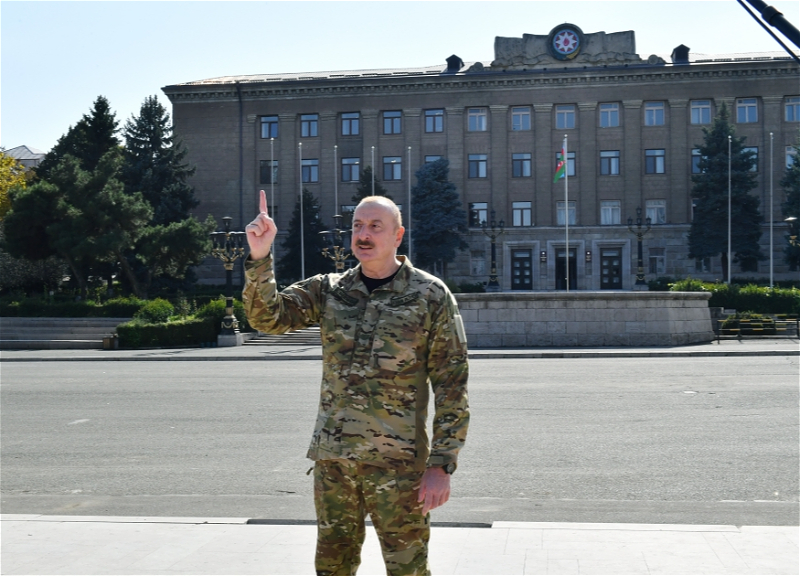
38, 308
193, 332
751, 298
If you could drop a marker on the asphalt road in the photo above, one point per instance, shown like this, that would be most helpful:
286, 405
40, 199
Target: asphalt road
655, 440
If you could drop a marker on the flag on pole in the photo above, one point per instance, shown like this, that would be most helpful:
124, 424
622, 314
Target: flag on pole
561, 168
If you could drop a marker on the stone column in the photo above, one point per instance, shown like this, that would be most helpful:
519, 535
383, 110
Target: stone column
543, 164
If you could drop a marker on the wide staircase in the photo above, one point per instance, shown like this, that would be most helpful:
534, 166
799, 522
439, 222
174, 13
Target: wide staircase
306, 337
56, 333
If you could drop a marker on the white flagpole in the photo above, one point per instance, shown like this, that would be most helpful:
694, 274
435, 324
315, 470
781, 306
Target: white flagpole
771, 174
565, 151
335, 180
302, 230
373, 170
729, 211
408, 223
272, 186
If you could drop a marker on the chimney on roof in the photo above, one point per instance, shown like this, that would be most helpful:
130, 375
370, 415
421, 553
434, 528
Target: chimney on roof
680, 55
454, 64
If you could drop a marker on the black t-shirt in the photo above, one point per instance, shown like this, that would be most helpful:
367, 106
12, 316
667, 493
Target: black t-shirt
373, 283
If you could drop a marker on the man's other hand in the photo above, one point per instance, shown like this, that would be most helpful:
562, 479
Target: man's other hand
435, 489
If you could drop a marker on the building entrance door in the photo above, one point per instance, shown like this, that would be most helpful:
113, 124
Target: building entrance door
561, 269
521, 270
610, 269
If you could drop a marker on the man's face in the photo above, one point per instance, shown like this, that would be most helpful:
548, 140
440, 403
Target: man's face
375, 235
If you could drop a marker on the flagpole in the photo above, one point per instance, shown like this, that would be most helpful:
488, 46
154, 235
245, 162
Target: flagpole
566, 206
302, 231
272, 186
771, 218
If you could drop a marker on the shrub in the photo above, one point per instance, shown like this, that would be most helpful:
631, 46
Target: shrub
215, 311
155, 311
689, 285
471, 287
122, 307
193, 332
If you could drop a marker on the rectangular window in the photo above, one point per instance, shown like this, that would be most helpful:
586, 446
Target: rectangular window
560, 213
792, 109
269, 126
432, 158
609, 162
269, 176
570, 163
656, 210
520, 165
476, 120
657, 261
434, 120
520, 118
477, 165
609, 115
347, 215
654, 161
392, 122
310, 170
309, 125
521, 213
746, 110
653, 113
610, 212
702, 265
392, 168
350, 124
565, 117
350, 169
478, 214
700, 111
696, 157
754, 150
790, 156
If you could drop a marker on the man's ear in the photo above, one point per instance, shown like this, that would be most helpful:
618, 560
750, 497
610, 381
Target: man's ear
400, 231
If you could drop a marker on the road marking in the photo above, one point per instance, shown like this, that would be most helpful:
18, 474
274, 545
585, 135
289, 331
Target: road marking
84, 420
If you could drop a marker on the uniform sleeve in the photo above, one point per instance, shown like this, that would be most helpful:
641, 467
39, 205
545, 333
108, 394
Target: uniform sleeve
273, 312
448, 371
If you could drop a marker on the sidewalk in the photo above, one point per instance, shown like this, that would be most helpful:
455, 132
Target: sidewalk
745, 347
110, 545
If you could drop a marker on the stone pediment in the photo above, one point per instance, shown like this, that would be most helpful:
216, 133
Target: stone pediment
566, 45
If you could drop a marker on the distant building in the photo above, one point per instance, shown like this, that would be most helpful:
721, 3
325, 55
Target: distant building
633, 125
27, 156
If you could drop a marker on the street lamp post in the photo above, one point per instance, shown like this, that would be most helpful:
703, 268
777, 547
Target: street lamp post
639, 232
493, 233
228, 246
336, 238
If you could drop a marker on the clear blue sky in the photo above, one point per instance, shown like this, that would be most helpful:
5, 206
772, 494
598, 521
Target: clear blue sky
57, 57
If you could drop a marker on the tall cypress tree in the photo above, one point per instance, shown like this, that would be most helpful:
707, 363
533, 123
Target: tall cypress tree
790, 208
708, 235
288, 268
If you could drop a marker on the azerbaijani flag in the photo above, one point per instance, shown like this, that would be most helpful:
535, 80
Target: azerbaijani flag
561, 168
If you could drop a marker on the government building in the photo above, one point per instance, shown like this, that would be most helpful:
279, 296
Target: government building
632, 124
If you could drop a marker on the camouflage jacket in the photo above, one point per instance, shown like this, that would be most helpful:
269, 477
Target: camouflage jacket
382, 354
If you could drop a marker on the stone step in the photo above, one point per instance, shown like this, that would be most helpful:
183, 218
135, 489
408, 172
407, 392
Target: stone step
56, 333
308, 336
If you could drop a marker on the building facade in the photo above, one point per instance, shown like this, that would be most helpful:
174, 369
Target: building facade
632, 127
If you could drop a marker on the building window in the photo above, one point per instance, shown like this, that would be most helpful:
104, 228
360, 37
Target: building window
654, 161
610, 212
269, 176
656, 210
432, 158
790, 156
653, 113
269, 126
434, 120
754, 150
350, 169
521, 118
565, 117
310, 170
477, 263
520, 165
570, 163
657, 261
792, 109
350, 124
521, 213
477, 165
700, 111
702, 265
392, 168
696, 157
609, 115
478, 214
392, 122
347, 215
746, 110
560, 213
309, 125
609, 162
476, 120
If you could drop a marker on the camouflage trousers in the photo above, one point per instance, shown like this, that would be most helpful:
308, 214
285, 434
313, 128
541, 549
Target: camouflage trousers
344, 493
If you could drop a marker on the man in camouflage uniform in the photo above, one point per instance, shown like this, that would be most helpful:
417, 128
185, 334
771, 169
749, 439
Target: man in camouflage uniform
390, 334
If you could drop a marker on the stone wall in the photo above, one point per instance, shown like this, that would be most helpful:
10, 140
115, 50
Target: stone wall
586, 319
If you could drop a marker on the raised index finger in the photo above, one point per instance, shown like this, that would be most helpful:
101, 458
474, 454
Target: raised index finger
262, 205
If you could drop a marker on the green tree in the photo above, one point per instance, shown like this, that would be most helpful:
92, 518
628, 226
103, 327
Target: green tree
364, 187
12, 175
439, 221
790, 208
289, 260
708, 235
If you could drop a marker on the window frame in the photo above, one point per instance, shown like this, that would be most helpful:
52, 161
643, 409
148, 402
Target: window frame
476, 210
394, 165
519, 162
746, 110
481, 164
270, 122
703, 115
392, 122
571, 164
434, 120
610, 212
309, 170
696, 159
264, 168
654, 113
656, 210
609, 115
351, 120
791, 107
523, 114
522, 214
608, 166
572, 211
657, 167
477, 119
567, 113
753, 149
347, 165
430, 158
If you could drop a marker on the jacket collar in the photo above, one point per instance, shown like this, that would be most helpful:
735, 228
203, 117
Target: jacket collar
351, 280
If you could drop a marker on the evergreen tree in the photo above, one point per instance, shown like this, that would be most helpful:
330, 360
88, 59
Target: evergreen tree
289, 262
791, 208
708, 235
364, 188
439, 221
